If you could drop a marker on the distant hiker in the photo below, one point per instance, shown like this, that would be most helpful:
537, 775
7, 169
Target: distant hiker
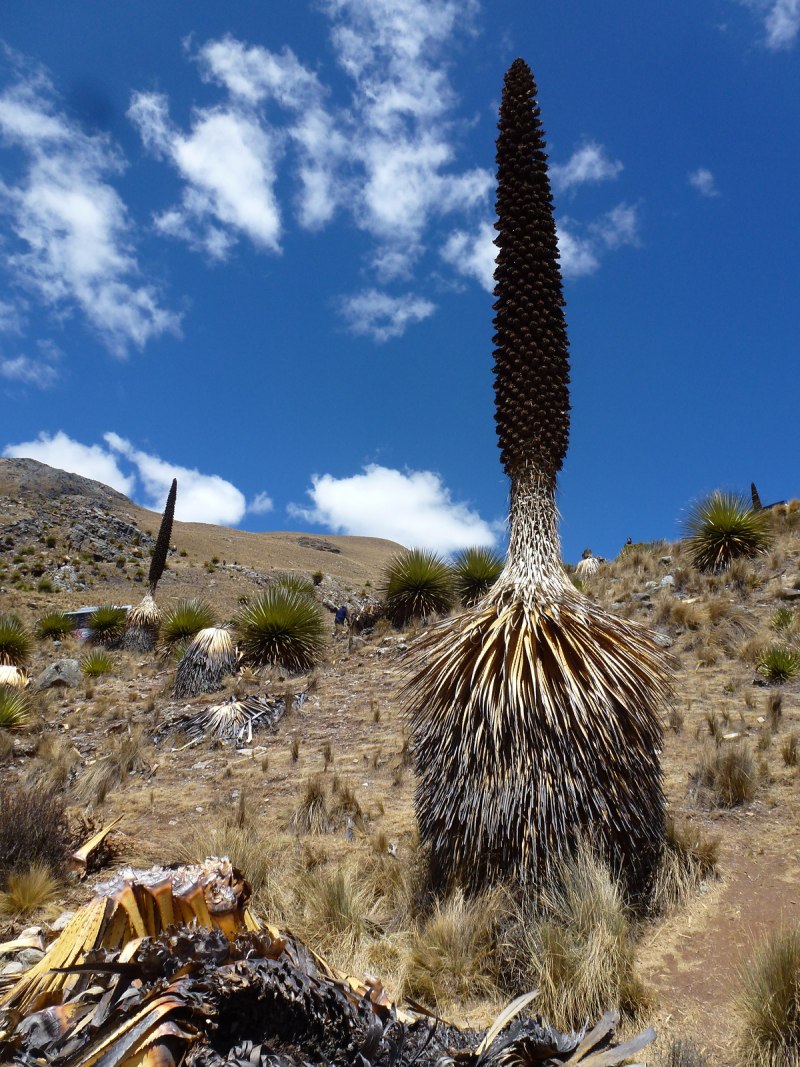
340, 620
629, 542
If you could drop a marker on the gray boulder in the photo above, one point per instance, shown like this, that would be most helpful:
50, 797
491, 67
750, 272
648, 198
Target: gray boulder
62, 672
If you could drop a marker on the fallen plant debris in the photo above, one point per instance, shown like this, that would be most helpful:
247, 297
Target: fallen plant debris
168, 968
231, 720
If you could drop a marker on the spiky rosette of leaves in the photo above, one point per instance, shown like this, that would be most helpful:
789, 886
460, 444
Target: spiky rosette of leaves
281, 627
14, 708
107, 625
417, 584
209, 659
531, 348
55, 624
475, 570
535, 714
159, 559
142, 626
183, 620
15, 642
724, 527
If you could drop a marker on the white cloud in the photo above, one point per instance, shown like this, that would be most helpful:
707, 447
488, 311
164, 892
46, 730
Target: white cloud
73, 231
140, 475
228, 164
618, 227
703, 181
781, 21
473, 254
414, 508
61, 452
578, 254
589, 163
782, 24
28, 371
260, 504
381, 316
201, 497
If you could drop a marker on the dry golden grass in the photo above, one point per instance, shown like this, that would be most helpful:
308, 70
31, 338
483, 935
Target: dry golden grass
769, 1002
28, 891
727, 773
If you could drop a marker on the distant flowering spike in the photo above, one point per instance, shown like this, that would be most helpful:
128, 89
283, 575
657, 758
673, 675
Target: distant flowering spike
159, 560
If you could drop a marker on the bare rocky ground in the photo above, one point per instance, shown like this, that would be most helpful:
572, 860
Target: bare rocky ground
66, 543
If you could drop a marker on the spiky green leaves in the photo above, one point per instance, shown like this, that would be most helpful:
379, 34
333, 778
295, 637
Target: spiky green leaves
475, 571
107, 625
15, 642
531, 362
416, 585
184, 620
55, 624
724, 527
159, 560
281, 627
14, 708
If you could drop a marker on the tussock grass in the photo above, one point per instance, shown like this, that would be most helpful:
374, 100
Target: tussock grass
689, 859
789, 749
28, 891
110, 771
577, 947
335, 908
33, 830
312, 814
728, 773
769, 1002
453, 957
682, 1053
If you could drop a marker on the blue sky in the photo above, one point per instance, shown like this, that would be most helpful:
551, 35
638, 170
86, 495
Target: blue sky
248, 245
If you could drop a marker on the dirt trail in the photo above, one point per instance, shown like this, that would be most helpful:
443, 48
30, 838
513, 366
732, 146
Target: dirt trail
693, 965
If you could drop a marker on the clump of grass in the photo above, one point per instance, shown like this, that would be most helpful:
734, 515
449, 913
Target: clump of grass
775, 711
729, 774
281, 627
96, 663
110, 771
14, 708
453, 955
676, 719
714, 725
55, 625
682, 1053
724, 527
335, 908
769, 1002
416, 585
475, 570
689, 859
184, 621
577, 946
312, 815
15, 642
295, 583
778, 664
33, 830
789, 749
782, 619
28, 891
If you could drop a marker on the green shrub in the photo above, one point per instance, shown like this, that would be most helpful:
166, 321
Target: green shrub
417, 584
55, 624
724, 527
475, 570
14, 708
44, 585
107, 625
96, 663
185, 620
281, 627
779, 663
15, 642
769, 1002
782, 619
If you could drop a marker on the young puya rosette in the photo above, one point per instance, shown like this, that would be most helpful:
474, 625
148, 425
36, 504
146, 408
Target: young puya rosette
143, 622
535, 714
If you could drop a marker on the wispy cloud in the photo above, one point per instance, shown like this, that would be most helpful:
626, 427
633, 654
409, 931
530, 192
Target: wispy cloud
780, 20
703, 181
261, 504
414, 508
22, 370
141, 475
588, 164
381, 316
72, 239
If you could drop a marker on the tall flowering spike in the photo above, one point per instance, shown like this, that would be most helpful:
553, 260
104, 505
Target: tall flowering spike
531, 361
159, 559
535, 714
